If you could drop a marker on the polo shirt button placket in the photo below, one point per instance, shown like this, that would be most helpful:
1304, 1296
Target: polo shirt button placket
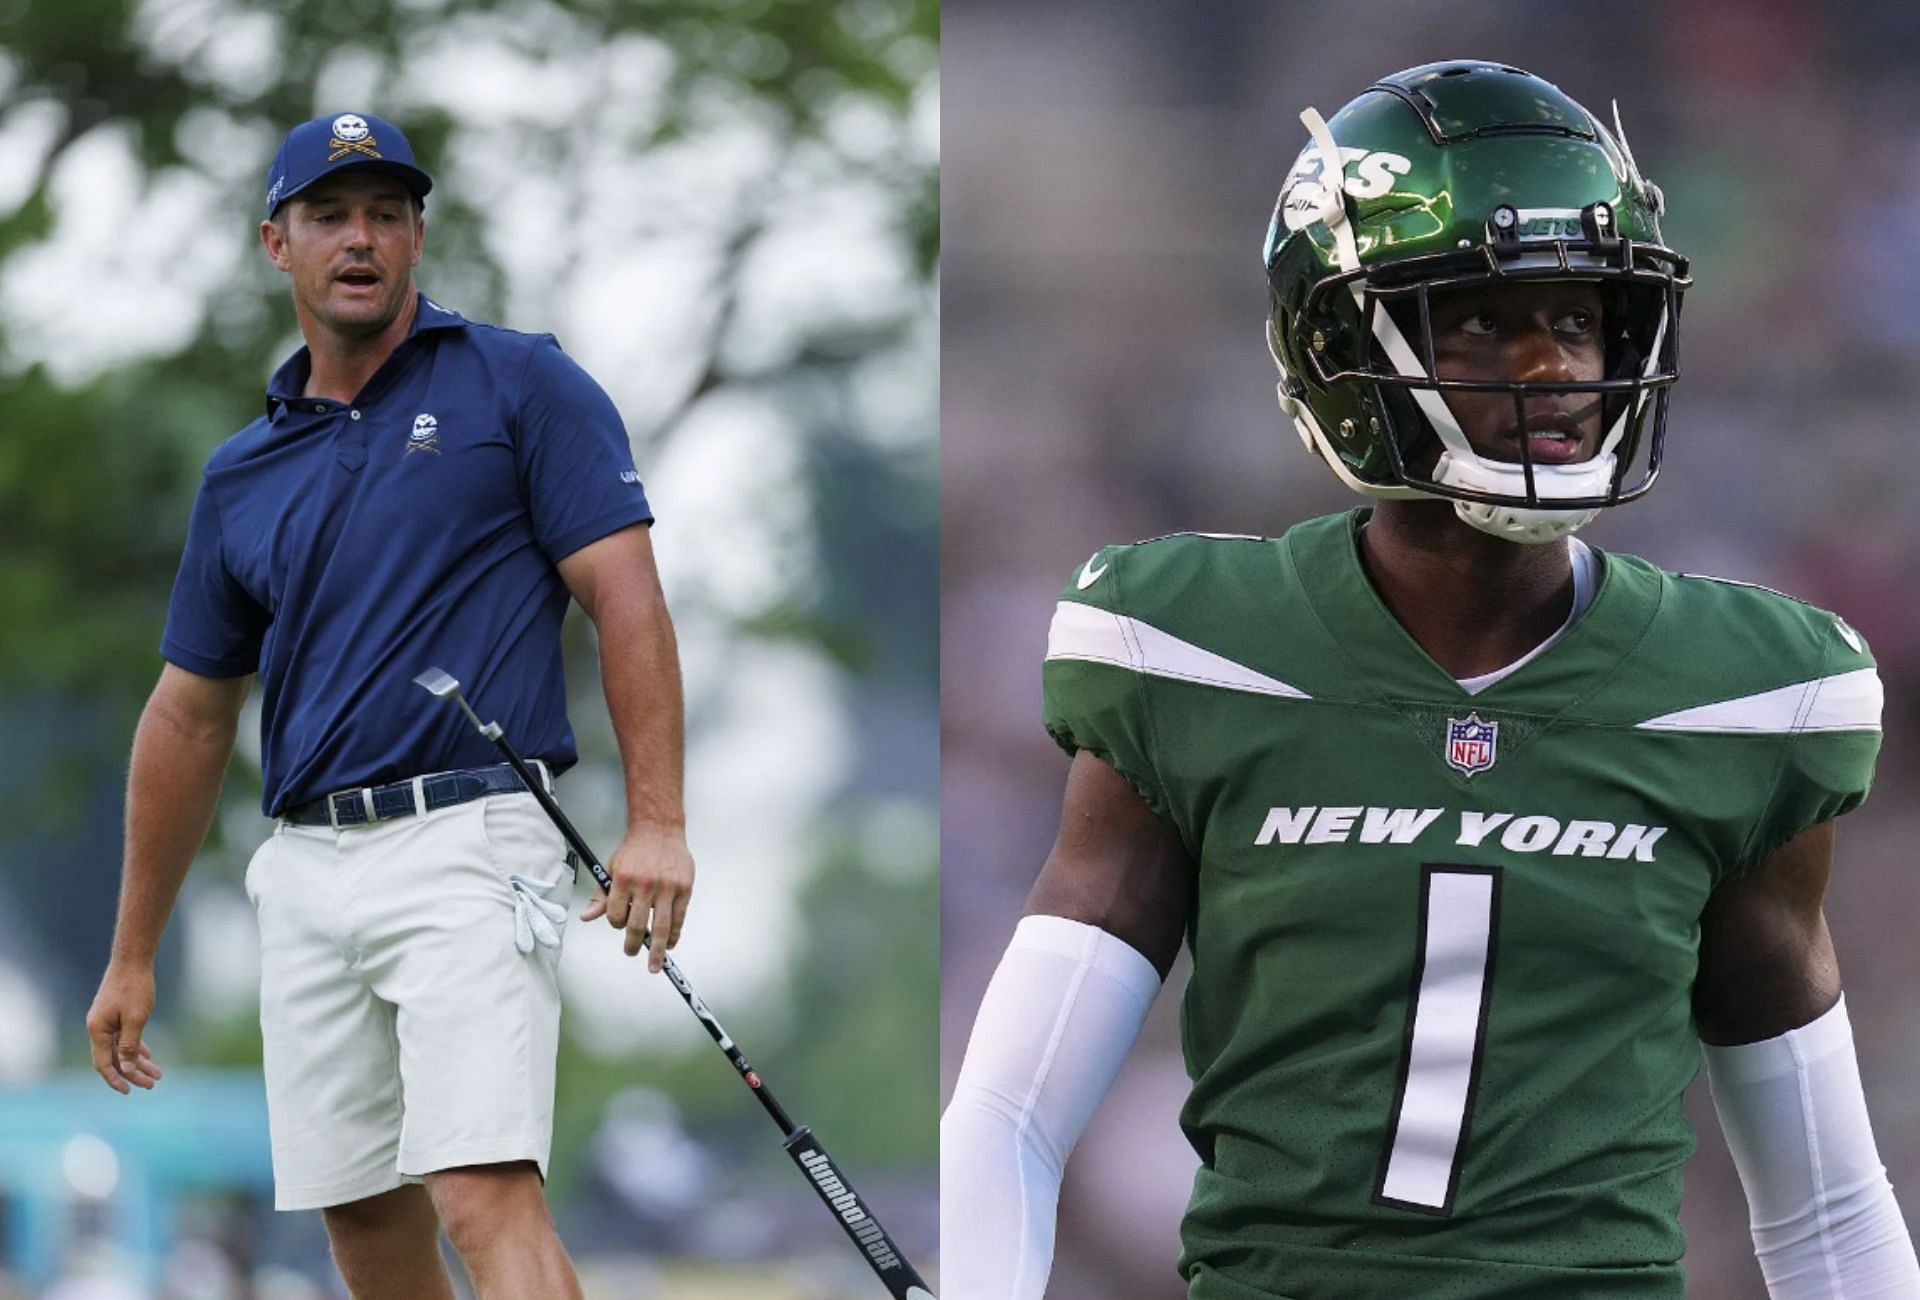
351, 443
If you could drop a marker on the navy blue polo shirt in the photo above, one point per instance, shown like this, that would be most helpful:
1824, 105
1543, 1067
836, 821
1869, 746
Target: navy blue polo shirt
341, 548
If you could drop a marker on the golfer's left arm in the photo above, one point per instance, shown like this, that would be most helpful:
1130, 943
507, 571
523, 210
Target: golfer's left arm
615, 581
1786, 1083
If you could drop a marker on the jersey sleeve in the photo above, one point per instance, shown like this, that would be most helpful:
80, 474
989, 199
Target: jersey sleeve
575, 464
214, 626
1828, 763
1093, 694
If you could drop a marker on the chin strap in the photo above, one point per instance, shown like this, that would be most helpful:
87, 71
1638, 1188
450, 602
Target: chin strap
1527, 525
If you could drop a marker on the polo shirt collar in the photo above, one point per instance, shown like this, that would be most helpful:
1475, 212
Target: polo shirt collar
291, 378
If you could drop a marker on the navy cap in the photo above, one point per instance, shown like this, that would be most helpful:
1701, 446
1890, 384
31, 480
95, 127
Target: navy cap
335, 143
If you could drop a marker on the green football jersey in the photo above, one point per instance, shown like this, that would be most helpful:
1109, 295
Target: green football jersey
1444, 945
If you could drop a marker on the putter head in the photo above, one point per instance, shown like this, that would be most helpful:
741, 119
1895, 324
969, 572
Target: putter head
438, 682
444, 687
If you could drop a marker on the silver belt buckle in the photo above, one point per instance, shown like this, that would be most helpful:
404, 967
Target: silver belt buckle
366, 804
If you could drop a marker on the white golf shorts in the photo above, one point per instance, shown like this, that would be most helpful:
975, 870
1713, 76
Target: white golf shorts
403, 1030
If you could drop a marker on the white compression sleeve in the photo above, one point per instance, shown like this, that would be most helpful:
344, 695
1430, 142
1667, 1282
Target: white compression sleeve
1058, 1019
1825, 1225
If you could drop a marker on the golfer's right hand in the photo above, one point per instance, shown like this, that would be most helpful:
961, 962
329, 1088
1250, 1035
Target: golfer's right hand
114, 1024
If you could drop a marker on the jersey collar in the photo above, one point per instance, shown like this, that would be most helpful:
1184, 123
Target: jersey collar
1394, 666
291, 378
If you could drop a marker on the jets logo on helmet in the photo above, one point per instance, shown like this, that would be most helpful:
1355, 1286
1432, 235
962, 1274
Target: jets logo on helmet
1451, 176
1364, 175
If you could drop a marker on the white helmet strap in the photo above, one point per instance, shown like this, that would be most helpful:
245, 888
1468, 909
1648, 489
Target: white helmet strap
1333, 184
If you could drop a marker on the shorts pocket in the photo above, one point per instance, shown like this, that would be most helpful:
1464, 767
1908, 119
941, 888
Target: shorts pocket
520, 839
531, 862
252, 879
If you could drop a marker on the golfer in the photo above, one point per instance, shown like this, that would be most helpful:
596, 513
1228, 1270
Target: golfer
420, 491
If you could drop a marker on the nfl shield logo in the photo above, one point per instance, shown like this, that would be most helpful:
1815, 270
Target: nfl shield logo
1470, 743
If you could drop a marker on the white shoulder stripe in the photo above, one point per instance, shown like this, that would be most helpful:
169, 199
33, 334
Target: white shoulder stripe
1844, 702
1083, 632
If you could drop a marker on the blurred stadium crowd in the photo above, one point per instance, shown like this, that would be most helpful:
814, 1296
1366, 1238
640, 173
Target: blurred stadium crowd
1110, 169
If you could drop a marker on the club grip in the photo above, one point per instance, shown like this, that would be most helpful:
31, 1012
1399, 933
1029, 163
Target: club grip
872, 1239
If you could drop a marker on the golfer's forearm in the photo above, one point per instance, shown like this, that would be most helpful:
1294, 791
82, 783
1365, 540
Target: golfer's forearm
640, 670
173, 787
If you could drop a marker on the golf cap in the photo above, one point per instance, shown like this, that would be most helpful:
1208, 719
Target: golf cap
335, 143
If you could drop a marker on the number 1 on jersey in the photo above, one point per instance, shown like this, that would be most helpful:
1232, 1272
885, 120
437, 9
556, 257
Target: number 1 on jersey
1446, 1030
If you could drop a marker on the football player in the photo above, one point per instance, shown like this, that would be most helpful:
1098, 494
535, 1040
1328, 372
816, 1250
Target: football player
1475, 833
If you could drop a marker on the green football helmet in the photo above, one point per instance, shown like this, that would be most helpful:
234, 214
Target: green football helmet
1454, 175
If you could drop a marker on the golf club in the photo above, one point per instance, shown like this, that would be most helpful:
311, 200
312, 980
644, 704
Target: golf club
823, 1175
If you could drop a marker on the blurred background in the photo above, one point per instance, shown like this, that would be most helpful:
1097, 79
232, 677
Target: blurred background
728, 213
1110, 170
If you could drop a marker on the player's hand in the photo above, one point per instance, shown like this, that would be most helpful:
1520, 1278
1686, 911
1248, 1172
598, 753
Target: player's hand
652, 883
114, 1024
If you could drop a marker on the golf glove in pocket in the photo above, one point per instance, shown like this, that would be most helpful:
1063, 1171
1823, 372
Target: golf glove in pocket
535, 919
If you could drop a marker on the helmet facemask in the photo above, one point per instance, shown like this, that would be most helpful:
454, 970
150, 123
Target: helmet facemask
1397, 379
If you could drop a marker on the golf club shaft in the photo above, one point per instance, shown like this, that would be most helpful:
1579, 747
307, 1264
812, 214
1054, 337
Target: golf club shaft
822, 1174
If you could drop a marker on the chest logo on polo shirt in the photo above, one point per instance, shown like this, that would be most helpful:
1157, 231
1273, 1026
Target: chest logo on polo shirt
425, 435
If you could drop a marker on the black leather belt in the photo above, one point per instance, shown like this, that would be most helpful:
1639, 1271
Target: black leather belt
379, 803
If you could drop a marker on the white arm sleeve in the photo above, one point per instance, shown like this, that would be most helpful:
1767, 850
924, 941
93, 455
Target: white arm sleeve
1825, 1225
1058, 1019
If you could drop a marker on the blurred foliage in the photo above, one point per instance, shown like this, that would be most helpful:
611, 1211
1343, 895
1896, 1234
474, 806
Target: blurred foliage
84, 586
854, 977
